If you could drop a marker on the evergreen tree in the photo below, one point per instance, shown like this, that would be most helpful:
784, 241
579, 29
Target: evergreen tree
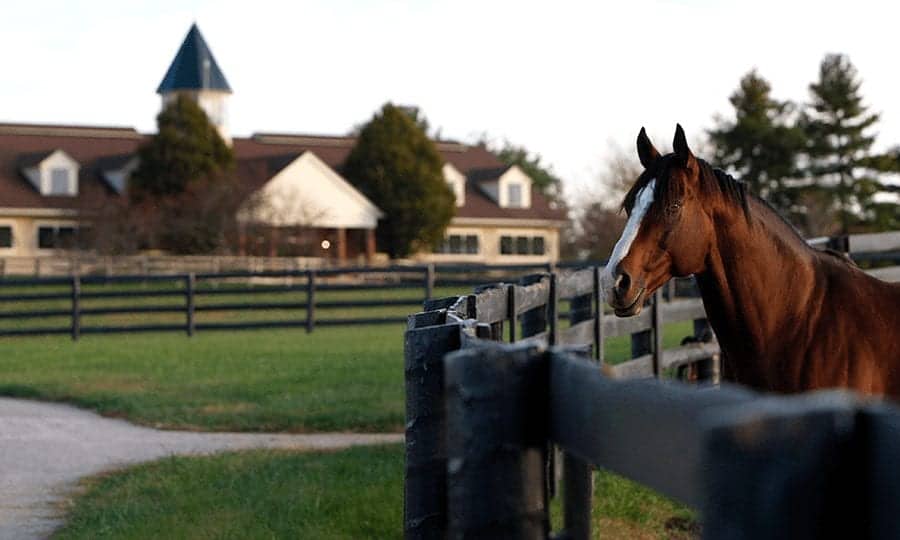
182, 193
398, 168
760, 145
186, 148
841, 165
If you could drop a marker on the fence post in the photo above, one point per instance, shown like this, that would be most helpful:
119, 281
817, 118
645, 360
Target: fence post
656, 306
707, 370
511, 311
496, 442
552, 311
76, 307
599, 303
425, 478
310, 300
429, 281
190, 284
534, 321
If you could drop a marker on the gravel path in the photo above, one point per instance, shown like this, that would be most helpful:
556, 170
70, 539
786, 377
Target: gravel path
46, 447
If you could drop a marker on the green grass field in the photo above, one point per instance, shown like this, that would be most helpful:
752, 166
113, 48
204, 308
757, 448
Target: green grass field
335, 379
355, 493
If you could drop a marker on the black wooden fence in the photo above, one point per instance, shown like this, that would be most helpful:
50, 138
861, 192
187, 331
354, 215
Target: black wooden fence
481, 423
196, 302
530, 311
816, 466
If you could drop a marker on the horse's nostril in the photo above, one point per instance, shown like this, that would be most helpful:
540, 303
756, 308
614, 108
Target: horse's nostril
623, 283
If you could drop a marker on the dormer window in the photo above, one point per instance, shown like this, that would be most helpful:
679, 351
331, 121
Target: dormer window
60, 181
52, 173
514, 195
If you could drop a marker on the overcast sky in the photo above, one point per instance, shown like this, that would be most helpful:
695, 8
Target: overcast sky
564, 79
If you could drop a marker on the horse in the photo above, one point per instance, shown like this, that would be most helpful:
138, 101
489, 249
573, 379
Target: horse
788, 318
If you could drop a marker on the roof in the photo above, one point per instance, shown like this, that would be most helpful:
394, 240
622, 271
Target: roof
258, 159
488, 174
194, 67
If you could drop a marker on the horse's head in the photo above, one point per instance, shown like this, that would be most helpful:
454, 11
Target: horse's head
668, 232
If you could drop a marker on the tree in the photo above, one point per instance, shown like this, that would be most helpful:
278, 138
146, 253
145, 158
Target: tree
542, 176
398, 168
599, 220
185, 149
182, 191
760, 145
841, 164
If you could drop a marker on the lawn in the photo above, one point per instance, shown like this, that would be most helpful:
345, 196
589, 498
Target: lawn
335, 379
268, 380
355, 493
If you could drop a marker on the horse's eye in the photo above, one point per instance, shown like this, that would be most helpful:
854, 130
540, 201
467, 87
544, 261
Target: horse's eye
674, 207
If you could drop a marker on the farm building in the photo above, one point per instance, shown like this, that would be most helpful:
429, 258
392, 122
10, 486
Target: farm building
52, 176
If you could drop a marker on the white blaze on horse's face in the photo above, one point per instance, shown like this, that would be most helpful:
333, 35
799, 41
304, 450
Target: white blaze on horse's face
623, 246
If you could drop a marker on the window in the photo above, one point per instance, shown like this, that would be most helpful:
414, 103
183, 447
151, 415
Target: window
514, 195
46, 237
537, 245
59, 181
522, 245
506, 245
6, 239
65, 237
455, 243
472, 244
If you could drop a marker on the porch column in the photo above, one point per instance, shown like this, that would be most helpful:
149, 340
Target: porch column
370, 244
273, 241
341, 244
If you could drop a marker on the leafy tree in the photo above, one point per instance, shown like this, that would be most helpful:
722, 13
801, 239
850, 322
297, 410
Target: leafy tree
760, 145
182, 195
398, 168
186, 148
541, 174
841, 164
599, 219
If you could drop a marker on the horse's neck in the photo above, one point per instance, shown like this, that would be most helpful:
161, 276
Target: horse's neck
757, 279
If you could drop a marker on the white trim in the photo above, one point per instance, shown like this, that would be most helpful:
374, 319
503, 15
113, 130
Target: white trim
507, 222
623, 246
37, 212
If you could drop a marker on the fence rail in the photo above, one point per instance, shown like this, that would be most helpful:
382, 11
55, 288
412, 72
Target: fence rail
815, 466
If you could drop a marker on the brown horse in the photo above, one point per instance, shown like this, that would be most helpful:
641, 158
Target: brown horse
789, 318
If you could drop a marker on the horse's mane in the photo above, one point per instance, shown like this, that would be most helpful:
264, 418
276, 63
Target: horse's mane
711, 179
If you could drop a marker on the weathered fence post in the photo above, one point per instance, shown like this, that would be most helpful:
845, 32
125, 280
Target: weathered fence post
429, 281
497, 407
599, 303
534, 321
707, 370
190, 284
310, 300
426, 342
656, 306
76, 307
511, 311
578, 479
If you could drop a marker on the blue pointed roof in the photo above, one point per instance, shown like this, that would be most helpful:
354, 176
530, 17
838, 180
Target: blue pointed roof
194, 67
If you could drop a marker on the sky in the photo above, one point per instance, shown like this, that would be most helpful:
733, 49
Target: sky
570, 81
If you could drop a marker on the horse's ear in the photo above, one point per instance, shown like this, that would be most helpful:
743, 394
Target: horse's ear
680, 146
646, 152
